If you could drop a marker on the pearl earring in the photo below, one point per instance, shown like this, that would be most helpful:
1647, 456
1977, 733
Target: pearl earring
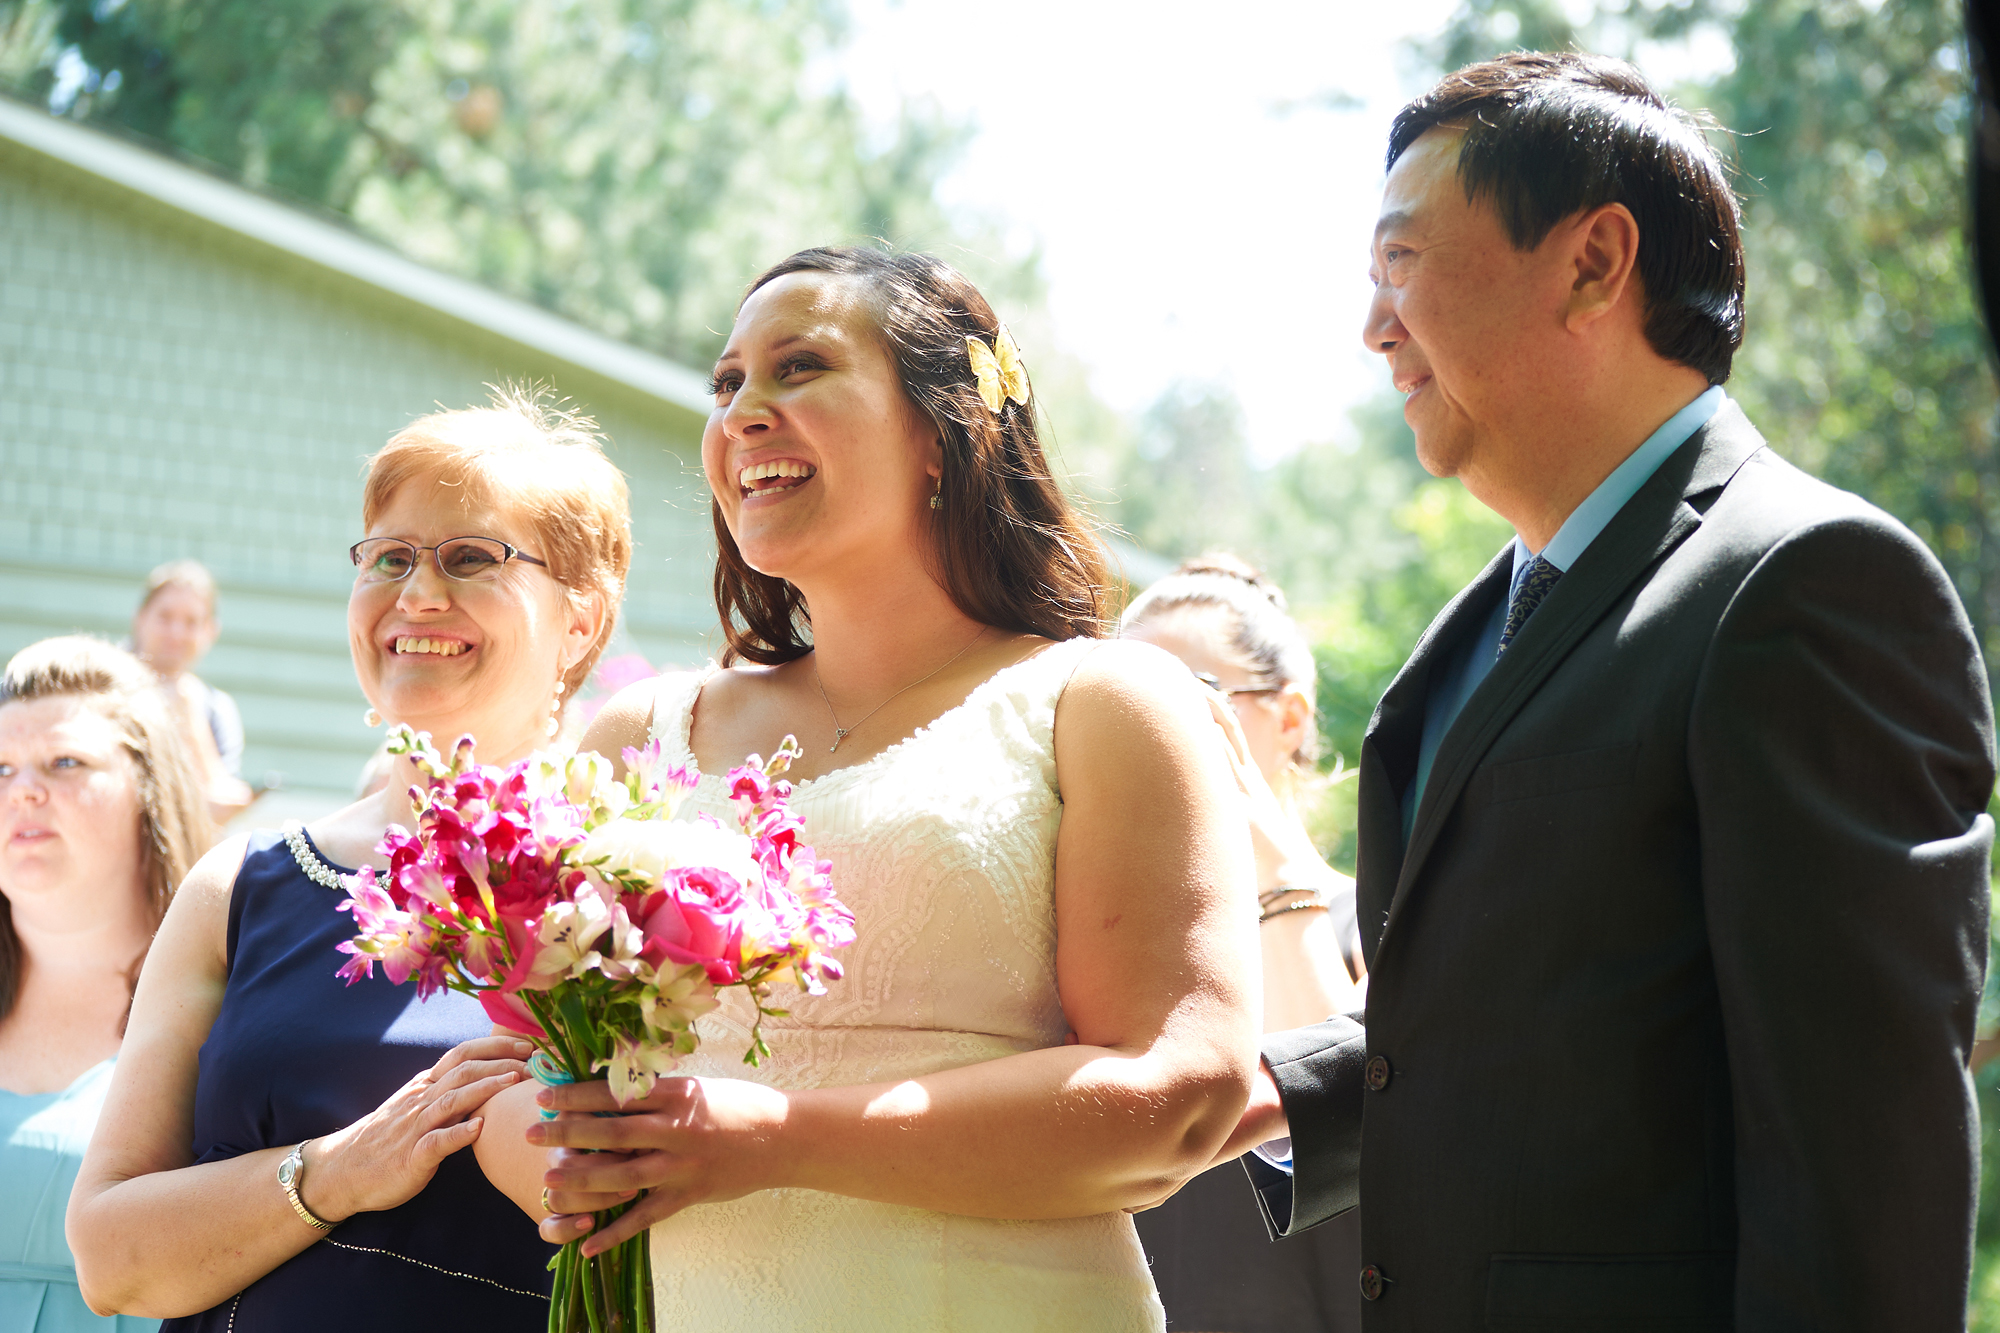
555, 712
371, 718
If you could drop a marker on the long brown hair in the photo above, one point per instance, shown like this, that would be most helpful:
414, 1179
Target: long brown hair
174, 827
1010, 549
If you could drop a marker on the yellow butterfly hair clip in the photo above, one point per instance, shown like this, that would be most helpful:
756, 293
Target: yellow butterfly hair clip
998, 370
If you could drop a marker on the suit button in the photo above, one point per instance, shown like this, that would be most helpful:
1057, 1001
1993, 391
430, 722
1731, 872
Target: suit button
1372, 1283
1376, 1073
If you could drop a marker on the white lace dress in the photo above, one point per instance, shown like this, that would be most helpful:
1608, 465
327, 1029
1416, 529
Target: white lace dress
944, 847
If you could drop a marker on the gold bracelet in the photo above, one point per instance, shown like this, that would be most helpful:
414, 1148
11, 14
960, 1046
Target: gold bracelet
291, 1176
1310, 905
1315, 899
1269, 896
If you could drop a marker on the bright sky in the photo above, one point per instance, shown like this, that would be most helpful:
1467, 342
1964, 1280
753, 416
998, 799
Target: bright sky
1203, 213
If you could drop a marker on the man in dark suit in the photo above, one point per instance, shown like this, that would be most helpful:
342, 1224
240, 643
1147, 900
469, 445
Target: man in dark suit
1673, 859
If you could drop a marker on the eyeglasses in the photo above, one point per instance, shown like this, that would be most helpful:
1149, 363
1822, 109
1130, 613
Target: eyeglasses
466, 559
1215, 683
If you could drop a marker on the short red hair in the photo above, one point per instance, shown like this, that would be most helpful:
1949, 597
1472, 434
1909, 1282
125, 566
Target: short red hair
538, 460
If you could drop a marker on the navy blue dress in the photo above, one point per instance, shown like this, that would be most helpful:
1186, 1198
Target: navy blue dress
296, 1053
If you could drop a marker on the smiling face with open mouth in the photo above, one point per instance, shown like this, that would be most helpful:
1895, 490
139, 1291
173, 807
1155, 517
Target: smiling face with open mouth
476, 655
816, 456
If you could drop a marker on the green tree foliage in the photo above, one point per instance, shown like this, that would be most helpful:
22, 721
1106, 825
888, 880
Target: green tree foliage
628, 163
1188, 485
1368, 547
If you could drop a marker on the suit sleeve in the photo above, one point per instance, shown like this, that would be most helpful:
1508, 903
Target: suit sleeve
1840, 750
1318, 1073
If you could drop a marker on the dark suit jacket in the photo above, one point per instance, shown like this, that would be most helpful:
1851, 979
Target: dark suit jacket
1672, 990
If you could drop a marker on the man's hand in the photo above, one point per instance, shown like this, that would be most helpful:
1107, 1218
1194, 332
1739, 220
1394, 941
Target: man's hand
1263, 1119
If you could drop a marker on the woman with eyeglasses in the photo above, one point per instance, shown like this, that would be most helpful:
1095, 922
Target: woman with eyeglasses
281, 1151
1217, 1270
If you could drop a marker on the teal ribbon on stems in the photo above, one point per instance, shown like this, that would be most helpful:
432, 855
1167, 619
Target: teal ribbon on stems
612, 1293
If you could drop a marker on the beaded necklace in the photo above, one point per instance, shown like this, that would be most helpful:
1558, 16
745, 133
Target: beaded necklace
316, 870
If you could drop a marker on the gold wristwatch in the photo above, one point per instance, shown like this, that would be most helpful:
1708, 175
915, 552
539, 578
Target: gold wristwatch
291, 1175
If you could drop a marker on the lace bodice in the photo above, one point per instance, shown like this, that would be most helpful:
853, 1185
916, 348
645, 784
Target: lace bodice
944, 847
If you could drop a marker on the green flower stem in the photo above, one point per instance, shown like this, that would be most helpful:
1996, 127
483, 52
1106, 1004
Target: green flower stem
593, 1298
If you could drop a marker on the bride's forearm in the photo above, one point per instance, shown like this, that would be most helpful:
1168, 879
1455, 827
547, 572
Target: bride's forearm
1065, 1132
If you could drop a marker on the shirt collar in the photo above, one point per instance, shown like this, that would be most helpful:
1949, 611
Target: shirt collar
1591, 517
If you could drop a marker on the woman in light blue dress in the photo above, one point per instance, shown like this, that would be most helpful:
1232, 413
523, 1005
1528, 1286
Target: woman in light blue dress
100, 816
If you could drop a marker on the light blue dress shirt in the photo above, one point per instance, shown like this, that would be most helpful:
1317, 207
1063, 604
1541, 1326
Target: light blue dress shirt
1458, 678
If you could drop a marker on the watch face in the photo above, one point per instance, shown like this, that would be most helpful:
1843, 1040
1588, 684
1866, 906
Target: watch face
288, 1170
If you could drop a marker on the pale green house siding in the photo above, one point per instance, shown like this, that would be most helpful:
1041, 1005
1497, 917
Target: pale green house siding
171, 388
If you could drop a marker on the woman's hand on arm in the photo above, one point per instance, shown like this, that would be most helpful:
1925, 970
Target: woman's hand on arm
155, 1235
1306, 974
385, 1159
1157, 968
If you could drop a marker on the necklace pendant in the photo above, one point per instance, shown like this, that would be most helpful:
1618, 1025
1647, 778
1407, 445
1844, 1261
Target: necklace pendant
839, 735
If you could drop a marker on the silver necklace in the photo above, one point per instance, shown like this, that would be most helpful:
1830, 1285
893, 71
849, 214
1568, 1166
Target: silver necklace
841, 733
316, 870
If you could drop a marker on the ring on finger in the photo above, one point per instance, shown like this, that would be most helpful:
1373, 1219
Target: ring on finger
547, 1207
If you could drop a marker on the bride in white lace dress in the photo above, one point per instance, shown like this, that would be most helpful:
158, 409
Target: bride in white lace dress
1047, 1018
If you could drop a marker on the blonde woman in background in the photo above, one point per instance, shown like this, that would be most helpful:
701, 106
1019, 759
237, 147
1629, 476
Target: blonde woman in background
1216, 1268
172, 630
101, 815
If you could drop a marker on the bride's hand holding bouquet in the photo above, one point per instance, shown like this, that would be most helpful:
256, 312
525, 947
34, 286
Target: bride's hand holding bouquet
583, 916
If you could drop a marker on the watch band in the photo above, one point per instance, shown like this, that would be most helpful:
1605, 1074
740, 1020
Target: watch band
291, 1175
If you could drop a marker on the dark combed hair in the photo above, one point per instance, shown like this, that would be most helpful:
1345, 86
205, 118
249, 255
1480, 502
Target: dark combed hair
1010, 549
1548, 136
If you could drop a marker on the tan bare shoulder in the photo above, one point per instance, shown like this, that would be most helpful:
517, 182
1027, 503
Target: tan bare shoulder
1147, 685
627, 720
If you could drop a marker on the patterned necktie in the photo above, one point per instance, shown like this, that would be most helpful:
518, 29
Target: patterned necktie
1535, 585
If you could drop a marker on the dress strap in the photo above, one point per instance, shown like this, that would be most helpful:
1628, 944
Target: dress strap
1065, 659
672, 723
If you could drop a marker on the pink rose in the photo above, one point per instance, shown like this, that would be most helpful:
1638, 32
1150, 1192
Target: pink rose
696, 917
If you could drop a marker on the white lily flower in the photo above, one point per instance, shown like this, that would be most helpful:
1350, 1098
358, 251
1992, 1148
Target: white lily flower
635, 1067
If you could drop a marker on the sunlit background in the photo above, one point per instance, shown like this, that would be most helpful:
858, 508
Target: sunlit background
241, 241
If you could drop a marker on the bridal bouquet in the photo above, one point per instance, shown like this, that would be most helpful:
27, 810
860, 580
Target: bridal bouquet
584, 916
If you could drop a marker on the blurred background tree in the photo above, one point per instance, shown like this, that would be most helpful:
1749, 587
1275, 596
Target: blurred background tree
630, 163
627, 163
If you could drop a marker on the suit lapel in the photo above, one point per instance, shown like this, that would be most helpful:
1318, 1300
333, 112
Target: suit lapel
1654, 521
1389, 747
